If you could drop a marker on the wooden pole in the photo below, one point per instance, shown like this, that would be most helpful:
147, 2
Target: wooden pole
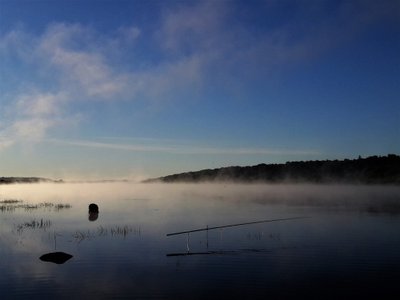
234, 225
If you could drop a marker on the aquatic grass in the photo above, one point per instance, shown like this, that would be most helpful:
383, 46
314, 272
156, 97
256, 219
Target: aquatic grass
13, 204
61, 206
80, 236
8, 205
34, 224
124, 231
7, 208
258, 236
43, 205
101, 231
116, 231
52, 206
28, 207
10, 201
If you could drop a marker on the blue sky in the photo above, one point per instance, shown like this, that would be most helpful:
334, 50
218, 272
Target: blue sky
131, 89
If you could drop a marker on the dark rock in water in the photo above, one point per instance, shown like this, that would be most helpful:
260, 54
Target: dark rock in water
93, 208
93, 212
56, 257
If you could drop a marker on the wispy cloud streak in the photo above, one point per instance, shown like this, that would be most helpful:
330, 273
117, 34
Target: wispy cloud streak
180, 149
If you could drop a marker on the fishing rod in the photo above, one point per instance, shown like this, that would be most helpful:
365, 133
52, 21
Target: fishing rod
234, 225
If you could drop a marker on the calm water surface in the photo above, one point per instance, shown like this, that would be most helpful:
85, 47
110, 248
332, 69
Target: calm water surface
348, 247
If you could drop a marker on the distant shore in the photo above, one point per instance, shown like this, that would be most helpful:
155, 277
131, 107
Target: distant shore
11, 180
370, 170
15, 180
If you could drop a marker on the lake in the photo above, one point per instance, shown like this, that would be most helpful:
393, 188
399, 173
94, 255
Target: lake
337, 242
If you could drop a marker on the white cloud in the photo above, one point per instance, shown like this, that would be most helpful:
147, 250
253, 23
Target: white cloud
197, 44
81, 68
30, 117
5, 143
300, 40
17, 42
170, 77
38, 105
31, 129
85, 68
235, 50
193, 28
129, 34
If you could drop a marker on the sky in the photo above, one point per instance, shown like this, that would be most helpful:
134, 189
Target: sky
138, 89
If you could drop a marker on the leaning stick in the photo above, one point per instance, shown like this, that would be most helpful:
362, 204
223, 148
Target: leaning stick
234, 225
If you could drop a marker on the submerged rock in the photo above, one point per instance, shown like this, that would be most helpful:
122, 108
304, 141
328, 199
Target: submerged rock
56, 257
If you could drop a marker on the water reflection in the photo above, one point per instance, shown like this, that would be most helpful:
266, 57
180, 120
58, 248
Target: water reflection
343, 251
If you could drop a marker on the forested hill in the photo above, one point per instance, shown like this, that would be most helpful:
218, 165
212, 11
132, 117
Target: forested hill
9, 180
371, 170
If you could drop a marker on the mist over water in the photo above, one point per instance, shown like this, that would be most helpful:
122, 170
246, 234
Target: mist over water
383, 198
348, 246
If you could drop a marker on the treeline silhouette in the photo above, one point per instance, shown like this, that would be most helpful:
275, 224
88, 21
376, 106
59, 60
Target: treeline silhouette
9, 180
370, 170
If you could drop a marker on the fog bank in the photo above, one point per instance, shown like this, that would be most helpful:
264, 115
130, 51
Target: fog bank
361, 197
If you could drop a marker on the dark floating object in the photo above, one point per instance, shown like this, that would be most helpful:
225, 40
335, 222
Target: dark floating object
93, 208
56, 257
93, 212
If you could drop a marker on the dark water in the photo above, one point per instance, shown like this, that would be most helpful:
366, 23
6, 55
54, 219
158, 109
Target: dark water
348, 248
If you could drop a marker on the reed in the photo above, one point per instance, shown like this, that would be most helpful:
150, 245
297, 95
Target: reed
7, 208
80, 236
61, 206
10, 201
11, 205
33, 224
116, 231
